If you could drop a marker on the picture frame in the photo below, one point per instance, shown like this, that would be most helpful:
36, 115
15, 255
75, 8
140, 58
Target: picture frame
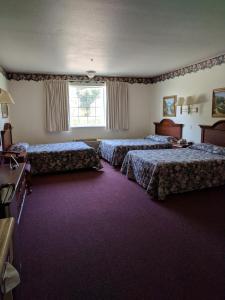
4, 109
218, 103
169, 106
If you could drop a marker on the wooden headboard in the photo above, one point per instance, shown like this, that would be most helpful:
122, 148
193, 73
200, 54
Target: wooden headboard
168, 127
6, 136
214, 134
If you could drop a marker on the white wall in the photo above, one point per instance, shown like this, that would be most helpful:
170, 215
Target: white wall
3, 85
199, 85
28, 115
145, 107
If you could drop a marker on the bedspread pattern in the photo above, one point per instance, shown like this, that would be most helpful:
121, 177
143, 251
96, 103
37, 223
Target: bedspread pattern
165, 172
114, 151
60, 157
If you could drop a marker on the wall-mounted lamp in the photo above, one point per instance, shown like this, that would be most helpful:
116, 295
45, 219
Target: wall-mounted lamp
186, 105
5, 97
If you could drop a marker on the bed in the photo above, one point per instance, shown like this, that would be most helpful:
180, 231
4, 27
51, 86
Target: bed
171, 171
57, 157
114, 151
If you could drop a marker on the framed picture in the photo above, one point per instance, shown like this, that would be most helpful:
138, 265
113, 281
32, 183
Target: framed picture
4, 108
169, 106
218, 103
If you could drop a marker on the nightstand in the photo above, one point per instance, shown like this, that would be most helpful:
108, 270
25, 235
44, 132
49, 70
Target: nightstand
92, 142
180, 146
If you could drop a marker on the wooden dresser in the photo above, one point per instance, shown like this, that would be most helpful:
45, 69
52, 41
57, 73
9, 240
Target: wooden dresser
13, 195
6, 233
13, 191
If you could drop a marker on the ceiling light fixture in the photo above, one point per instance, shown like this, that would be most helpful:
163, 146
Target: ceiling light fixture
91, 74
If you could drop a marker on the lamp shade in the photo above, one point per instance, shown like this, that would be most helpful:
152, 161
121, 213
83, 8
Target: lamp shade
5, 97
180, 101
189, 101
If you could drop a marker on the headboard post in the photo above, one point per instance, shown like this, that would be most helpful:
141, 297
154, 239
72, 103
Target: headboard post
168, 127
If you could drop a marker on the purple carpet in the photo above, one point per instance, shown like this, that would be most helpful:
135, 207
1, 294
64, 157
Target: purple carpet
97, 235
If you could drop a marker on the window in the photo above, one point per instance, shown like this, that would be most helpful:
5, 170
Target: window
87, 105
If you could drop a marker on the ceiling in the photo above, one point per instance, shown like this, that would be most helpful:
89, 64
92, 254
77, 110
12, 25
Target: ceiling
124, 37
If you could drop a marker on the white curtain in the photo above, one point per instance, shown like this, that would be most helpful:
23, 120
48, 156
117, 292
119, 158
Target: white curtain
117, 117
57, 105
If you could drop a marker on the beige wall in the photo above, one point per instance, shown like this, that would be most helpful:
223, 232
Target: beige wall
3, 85
28, 115
200, 85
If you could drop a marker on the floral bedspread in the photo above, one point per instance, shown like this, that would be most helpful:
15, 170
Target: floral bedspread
60, 157
114, 151
165, 172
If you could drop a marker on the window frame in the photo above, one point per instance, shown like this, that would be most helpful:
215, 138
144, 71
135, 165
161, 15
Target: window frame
88, 84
